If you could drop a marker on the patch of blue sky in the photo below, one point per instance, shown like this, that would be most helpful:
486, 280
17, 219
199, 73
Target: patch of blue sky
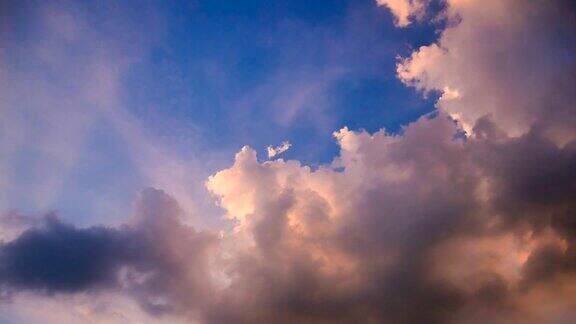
103, 183
231, 73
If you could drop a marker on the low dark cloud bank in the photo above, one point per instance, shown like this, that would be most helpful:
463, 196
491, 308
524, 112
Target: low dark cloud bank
147, 258
59, 257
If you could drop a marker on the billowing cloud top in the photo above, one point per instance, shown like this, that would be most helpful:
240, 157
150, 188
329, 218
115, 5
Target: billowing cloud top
405, 10
468, 215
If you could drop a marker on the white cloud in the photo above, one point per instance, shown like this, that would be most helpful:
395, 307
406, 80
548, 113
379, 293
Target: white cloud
404, 10
502, 59
276, 150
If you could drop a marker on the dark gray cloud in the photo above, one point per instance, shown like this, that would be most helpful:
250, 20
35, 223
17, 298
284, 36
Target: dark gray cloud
152, 258
58, 257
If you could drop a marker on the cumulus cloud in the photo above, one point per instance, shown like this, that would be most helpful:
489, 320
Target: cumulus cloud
512, 60
426, 225
340, 246
417, 227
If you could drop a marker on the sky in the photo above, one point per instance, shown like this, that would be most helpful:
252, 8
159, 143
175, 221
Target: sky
212, 161
194, 81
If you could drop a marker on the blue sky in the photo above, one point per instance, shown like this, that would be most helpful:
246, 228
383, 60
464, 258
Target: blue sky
259, 73
199, 80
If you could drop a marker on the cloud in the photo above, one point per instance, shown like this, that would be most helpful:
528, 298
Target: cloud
416, 227
273, 151
341, 246
92, 308
12, 224
140, 258
516, 70
427, 225
43, 258
404, 10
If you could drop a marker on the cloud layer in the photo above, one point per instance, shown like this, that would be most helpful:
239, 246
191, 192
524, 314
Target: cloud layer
466, 216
